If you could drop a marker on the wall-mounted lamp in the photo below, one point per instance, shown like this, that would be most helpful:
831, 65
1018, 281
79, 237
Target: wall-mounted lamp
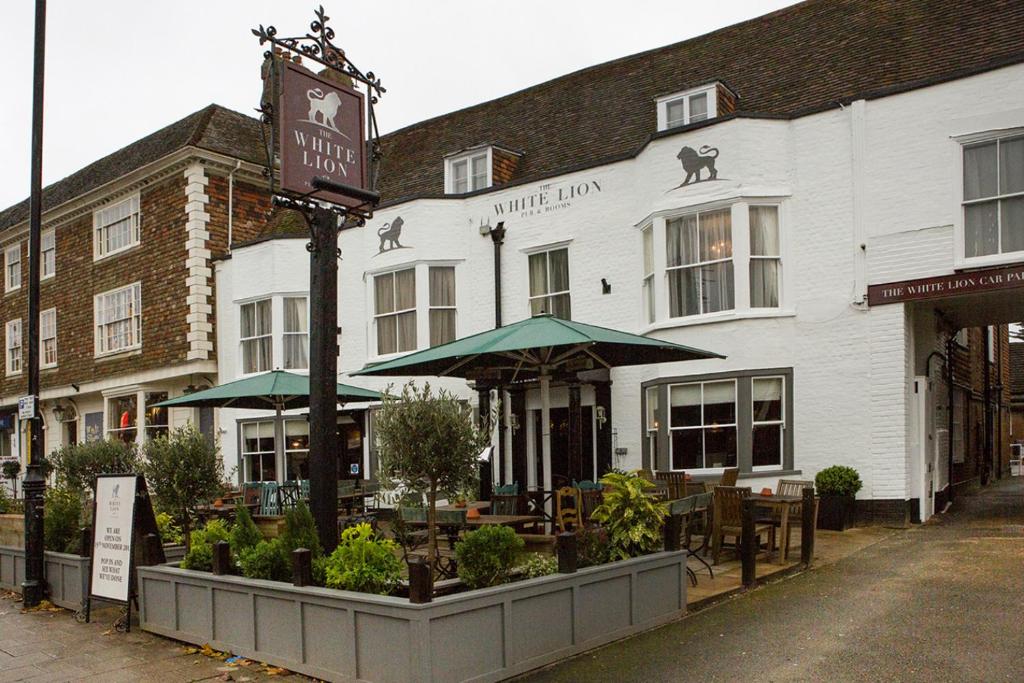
606, 287
601, 417
514, 422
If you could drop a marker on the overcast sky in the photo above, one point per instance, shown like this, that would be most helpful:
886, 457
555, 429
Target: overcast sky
117, 70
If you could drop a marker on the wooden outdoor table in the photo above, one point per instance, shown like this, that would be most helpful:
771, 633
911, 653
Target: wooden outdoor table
226, 511
477, 504
350, 501
783, 504
514, 521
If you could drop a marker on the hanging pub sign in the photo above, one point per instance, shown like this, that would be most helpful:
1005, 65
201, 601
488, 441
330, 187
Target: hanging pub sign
321, 133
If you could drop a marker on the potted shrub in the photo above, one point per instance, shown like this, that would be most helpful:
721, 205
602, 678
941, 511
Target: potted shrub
631, 518
837, 486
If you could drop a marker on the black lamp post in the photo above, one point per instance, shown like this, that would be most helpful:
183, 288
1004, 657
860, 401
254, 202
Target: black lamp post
34, 485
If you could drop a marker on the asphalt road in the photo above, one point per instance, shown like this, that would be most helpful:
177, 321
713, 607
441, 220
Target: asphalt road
939, 602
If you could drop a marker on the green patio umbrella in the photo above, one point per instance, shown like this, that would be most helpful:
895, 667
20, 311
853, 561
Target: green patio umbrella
277, 390
534, 348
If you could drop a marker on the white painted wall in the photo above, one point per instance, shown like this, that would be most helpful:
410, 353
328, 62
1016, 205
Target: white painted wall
877, 174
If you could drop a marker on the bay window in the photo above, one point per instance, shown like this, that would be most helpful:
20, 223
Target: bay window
648, 281
993, 197
699, 263
257, 336
710, 422
296, 333
549, 283
442, 304
395, 311
414, 307
274, 333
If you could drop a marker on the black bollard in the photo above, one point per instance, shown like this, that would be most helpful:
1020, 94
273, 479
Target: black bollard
85, 541
421, 589
152, 550
807, 526
565, 548
302, 567
673, 532
221, 558
748, 543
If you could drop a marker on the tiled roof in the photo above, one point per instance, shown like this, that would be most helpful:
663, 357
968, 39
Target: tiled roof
1017, 369
792, 62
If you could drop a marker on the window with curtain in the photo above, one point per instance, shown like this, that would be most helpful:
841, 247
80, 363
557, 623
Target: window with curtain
442, 304
702, 425
651, 420
116, 227
765, 257
296, 449
256, 336
395, 311
993, 202
549, 283
119, 319
467, 173
647, 236
122, 417
258, 451
156, 418
295, 340
12, 261
699, 263
769, 422
689, 107
48, 337
14, 347
48, 246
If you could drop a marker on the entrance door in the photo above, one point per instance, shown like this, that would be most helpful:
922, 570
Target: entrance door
350, 447
925, 471
560, 469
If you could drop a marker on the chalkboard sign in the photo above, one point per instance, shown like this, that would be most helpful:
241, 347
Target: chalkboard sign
122, 518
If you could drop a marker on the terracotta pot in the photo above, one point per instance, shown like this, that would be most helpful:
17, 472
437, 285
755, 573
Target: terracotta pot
218, 503
473, 513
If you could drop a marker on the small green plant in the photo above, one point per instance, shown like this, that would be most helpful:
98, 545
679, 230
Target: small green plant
10, 470
632, 518
300, 531
266, 560
200, 553
5, 501
244, 532
362, 562
486, 556
170, 533
62, 518
838, 480
591, 546
539, 565
77, 465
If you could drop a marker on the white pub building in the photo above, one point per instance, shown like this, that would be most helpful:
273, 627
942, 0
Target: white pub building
828, 196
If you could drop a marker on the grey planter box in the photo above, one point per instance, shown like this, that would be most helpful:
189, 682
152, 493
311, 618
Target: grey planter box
482, 635
66, 575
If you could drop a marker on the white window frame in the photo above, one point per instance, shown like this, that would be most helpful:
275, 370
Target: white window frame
151, 432
134, 227
49, 313
649, 298
396, 312
697, 265
759, 257
711, 90
467, 157
135, 317
288, 452
268, 334
755, 423
454, 307
12, 283
244, 459
109, 415
48, 253
960, 143
651, 420
14, 368
547, 250
285, 333
703, 425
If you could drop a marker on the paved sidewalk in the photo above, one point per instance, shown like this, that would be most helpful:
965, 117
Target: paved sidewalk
49, 645
939, 602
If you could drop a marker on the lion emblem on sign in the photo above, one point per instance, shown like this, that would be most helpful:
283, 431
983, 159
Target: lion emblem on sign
323, 109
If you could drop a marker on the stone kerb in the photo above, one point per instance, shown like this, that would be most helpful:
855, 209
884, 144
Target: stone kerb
486, 635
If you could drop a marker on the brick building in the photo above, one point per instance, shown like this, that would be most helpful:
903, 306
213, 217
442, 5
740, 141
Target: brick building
127, 285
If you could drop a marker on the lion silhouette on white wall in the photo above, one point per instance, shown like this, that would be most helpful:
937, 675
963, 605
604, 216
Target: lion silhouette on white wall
323, 109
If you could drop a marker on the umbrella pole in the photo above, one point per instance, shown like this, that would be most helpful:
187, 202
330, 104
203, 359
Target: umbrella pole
545, 436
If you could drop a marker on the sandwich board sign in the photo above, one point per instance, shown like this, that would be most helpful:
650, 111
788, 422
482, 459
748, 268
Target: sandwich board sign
122, 516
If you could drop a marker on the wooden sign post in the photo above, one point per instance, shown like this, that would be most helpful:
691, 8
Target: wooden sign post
122, 517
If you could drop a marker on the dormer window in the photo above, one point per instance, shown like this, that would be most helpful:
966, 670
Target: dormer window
691, 106
468, 171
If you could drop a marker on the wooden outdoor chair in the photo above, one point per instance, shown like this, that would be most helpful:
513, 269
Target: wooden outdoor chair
676, 482
288, 495
730, 476
567, 509
791, 487
508, 489
269, 503
728, 520
590, 499
504, 504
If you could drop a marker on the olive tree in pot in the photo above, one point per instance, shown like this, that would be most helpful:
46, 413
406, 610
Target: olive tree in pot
11, 469
428, 442
837, 485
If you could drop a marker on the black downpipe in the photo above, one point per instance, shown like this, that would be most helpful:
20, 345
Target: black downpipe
498, 237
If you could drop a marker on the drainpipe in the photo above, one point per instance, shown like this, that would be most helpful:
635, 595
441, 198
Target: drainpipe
498, 237
231, 201
986, 473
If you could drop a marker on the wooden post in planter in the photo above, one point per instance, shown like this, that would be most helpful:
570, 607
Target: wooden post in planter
302, 567
85, 541
421, 589
807, 526
221, 558
565, 547
152, 550
748, 543
673, 530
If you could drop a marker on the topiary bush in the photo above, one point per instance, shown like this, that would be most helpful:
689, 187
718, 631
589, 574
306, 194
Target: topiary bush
539, 565
632, 518
485, 557
244, 532
362, 562
200, 553
838, 480
266, 560
300, 531
77, 465
62, 519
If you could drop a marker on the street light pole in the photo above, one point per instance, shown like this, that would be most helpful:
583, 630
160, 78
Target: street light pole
34, 485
